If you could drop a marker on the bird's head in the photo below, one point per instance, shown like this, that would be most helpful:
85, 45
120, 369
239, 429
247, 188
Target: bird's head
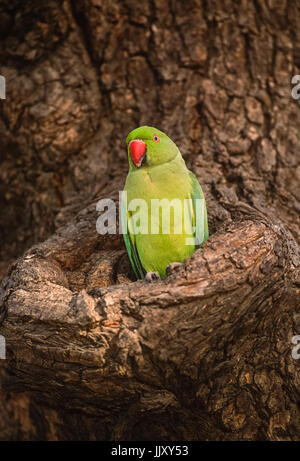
148, 146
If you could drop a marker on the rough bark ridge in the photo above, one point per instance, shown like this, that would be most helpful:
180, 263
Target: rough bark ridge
205, 354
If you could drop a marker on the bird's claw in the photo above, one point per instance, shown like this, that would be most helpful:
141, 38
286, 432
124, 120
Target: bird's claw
173, 267
152, 277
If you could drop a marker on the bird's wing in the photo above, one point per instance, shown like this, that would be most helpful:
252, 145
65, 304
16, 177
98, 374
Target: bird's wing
197, 193
130, 243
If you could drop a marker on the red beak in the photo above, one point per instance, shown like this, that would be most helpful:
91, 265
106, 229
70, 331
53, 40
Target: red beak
137, 149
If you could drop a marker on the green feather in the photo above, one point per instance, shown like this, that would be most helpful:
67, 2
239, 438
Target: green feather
130, 245
197, 193
163, 175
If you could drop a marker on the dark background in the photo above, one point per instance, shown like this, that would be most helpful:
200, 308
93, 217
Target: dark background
216, 76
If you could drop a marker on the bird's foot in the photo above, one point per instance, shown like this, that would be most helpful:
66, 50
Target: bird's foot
173, 267
152, 277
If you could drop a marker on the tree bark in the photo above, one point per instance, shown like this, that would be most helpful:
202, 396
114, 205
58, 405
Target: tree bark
206, 353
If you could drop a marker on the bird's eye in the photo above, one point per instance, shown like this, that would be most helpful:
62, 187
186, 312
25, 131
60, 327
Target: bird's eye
155, 138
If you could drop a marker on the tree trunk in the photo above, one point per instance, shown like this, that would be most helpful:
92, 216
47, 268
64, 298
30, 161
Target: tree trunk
205, 354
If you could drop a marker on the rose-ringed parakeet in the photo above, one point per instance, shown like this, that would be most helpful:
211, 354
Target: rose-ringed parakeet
158, 172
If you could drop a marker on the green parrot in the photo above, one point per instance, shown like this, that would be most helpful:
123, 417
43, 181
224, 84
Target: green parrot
158, 179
